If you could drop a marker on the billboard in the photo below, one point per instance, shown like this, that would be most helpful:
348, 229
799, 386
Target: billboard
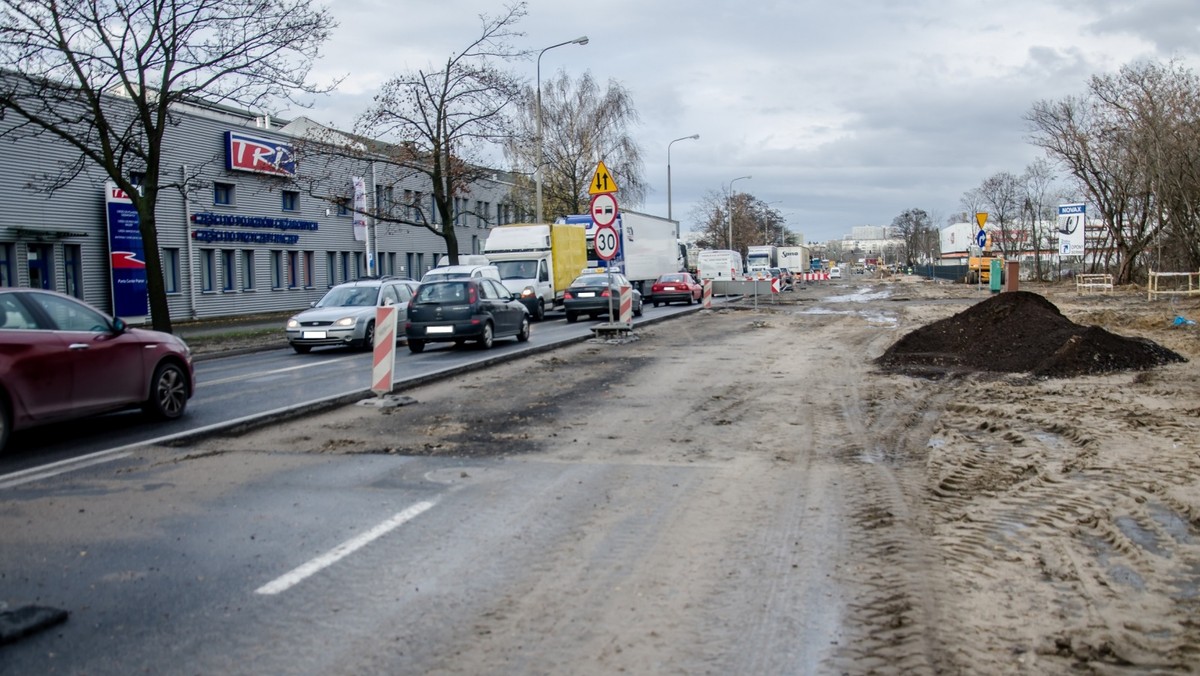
244, 152
1070, 228
127, 256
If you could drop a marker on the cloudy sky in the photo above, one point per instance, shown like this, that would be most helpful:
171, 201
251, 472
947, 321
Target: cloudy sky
843, 113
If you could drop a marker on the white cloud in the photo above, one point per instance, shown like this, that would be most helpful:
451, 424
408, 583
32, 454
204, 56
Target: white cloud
846, 113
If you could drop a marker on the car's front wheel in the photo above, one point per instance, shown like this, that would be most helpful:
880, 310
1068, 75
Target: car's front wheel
368, 342
487, 337
540, 313
416, 346
523, 334
168, 392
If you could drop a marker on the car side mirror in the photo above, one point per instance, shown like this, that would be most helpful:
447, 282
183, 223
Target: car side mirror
119, 325
312, 304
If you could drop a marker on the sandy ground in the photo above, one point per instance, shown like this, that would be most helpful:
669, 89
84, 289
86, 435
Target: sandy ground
979, 524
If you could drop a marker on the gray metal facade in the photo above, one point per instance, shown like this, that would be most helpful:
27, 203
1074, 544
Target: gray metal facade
59, 241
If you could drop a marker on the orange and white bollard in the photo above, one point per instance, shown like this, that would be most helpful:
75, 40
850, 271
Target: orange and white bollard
626, 314
384, 365
707, 298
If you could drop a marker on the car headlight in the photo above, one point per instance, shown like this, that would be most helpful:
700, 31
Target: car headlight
528, 292
345, 321
293, 324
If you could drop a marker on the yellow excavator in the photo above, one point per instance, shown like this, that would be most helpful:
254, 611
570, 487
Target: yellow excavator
979, 268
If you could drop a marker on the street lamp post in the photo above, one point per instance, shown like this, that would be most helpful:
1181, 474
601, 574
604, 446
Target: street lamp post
682, 138
729, 207
537, 171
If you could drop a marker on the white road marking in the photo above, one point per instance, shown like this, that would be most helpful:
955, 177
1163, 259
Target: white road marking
61, 467
260, 374
299, 574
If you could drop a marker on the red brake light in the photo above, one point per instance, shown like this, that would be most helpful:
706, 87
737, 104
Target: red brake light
606, 294
567, 295
471, 297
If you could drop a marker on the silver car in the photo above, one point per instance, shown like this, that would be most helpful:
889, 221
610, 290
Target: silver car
345, 315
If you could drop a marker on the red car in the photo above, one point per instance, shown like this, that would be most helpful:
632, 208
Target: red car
676, 286
61, 359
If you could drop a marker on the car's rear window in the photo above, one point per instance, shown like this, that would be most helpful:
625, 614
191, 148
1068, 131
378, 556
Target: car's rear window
591, 280
672, 278
442, 293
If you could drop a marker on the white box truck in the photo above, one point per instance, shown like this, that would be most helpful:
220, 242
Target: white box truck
719, 264
794, 258
537, 262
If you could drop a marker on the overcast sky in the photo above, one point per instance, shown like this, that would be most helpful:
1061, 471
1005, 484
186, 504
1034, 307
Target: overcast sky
843, 112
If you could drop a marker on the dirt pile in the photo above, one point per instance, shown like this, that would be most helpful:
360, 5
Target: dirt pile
1020, 332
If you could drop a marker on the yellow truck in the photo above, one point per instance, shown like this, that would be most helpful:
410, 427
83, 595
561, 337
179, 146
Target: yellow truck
537, 262
979, 268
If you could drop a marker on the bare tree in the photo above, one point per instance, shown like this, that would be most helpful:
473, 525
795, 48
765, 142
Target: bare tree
913, 226
582, 124
437, 124
107, 77
752, 219
999, 196
1036, 210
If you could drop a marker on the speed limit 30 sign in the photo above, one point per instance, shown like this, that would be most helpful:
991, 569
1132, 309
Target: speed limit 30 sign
606, 242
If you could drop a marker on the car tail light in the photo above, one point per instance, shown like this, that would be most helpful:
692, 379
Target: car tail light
471, 297
606, 293
567, 295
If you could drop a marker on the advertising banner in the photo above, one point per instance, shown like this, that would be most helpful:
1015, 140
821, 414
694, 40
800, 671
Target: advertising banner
127, 256
1070, 227
360, 208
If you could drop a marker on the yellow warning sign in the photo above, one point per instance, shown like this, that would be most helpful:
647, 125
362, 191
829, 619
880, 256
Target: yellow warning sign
602, 181
981, 218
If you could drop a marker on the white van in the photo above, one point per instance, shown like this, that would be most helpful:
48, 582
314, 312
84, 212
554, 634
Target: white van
835, 272
460, 272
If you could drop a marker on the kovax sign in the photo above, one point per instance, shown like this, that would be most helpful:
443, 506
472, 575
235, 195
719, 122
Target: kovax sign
259, 155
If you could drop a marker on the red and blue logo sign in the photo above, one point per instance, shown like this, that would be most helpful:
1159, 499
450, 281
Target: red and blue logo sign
127, 256
259, 155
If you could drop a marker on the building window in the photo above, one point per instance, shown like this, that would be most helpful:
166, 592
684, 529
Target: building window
310, 273
293, 271
277, 272
345, 266
359, 264
170, 264
137, 178
475, 244
248, 270
391, 259
229, 268
72, 270
6, 264
223, 194
208, 270
408, 259
343, 207
419, 271
291, 200
418, 214
330, 268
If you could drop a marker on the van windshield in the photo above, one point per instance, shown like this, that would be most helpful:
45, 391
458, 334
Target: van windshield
517, 269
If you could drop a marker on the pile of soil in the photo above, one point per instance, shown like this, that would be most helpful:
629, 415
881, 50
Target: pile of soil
1020, 332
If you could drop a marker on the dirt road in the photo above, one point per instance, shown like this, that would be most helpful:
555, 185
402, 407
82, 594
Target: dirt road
852, 521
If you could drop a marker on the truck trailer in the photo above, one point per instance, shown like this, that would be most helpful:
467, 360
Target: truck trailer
648, 246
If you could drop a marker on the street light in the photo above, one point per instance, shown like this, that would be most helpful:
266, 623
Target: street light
582, 40
729, 207
683, 138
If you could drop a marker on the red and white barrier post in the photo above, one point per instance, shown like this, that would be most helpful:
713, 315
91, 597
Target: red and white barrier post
626, 314
708, 294
384, 365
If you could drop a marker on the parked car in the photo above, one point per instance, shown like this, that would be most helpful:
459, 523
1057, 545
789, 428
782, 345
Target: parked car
589, 294
345, 315
458, 310
675, 286
835, 272
62, 359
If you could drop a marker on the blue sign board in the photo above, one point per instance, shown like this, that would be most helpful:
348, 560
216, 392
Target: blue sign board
981, 238
127, 256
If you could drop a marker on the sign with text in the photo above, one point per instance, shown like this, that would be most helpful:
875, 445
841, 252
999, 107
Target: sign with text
1070, 227
127, 256
244, 152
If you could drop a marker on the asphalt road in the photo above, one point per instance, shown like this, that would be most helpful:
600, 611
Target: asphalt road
263, 386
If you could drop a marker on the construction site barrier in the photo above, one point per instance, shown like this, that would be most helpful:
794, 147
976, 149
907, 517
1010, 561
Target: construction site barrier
1093, 281
1177, 284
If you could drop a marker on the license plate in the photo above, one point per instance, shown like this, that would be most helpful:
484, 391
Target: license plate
313, 335
669, 288
440, 329
587, 294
